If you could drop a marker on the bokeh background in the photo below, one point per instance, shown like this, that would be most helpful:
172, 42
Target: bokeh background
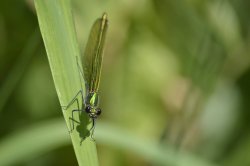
175, 73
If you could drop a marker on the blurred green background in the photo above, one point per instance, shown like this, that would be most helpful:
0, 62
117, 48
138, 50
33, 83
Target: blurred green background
175, 74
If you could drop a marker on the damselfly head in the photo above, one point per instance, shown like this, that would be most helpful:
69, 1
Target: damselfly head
93, 112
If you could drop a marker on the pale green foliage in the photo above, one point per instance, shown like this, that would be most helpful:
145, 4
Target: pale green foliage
57, 28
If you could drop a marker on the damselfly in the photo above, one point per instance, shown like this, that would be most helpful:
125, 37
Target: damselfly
92, 64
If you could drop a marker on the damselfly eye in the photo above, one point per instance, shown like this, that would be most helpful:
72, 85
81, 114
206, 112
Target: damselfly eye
88, 109
98, 111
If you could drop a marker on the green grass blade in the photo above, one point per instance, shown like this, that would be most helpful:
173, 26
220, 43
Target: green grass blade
40, 138
57, 28
50, 135
154, 152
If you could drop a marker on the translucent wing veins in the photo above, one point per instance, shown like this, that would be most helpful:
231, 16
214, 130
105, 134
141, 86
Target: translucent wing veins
92, 58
